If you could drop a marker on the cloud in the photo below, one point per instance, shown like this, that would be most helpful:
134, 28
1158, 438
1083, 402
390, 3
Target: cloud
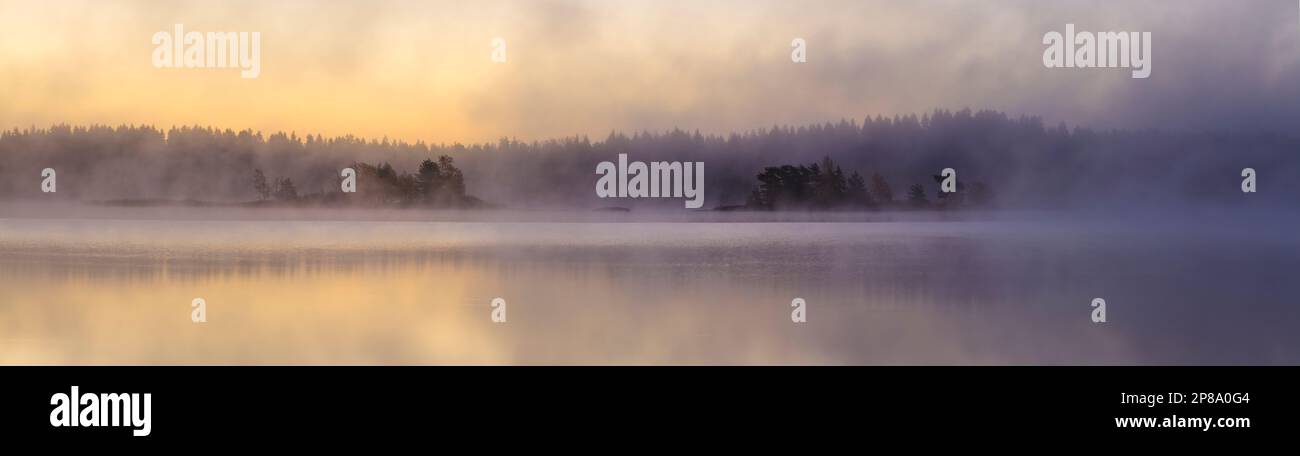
420, 70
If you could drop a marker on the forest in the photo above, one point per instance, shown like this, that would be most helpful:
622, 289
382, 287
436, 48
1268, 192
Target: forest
435, 184
1028, 164
824, 186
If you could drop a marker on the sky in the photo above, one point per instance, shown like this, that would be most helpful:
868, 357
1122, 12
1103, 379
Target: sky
423, 70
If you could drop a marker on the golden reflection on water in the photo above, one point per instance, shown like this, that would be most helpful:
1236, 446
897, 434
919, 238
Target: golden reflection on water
437, 312
417, 314
107, 297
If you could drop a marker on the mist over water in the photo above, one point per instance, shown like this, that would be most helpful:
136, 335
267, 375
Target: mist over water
294, 287
1025, 162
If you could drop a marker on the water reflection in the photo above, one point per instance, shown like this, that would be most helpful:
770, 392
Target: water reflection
285, 292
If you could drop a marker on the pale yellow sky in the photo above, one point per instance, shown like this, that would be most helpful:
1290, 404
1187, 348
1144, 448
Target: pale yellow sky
421, 70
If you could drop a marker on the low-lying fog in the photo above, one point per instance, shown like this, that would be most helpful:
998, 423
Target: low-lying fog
88, 284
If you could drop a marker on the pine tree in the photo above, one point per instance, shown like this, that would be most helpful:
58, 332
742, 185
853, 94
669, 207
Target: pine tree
880, 190
285, 190
916, 195
259, 184
857, 190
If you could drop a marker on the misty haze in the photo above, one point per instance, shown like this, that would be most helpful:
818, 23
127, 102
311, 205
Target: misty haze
940, 182
1193, 270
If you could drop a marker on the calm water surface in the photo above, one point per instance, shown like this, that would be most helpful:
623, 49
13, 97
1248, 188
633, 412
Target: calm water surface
112, 291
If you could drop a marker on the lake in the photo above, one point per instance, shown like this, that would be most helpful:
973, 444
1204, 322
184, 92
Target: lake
715, 289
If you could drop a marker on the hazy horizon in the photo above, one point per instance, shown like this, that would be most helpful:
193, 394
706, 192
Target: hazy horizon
417, 71
1023, 162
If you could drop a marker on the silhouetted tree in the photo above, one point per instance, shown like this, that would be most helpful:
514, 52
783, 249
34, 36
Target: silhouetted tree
452, 178
880, 190
438, 184
429, 178
783, 186
285, 191
916, 195
259, 184
857, 191
829, 187
820, 185
386, 173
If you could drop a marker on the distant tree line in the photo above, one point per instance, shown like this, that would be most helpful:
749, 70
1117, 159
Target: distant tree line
1029, 163
206, 164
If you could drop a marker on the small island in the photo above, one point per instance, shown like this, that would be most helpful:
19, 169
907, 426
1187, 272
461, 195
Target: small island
437, 184
823, 186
